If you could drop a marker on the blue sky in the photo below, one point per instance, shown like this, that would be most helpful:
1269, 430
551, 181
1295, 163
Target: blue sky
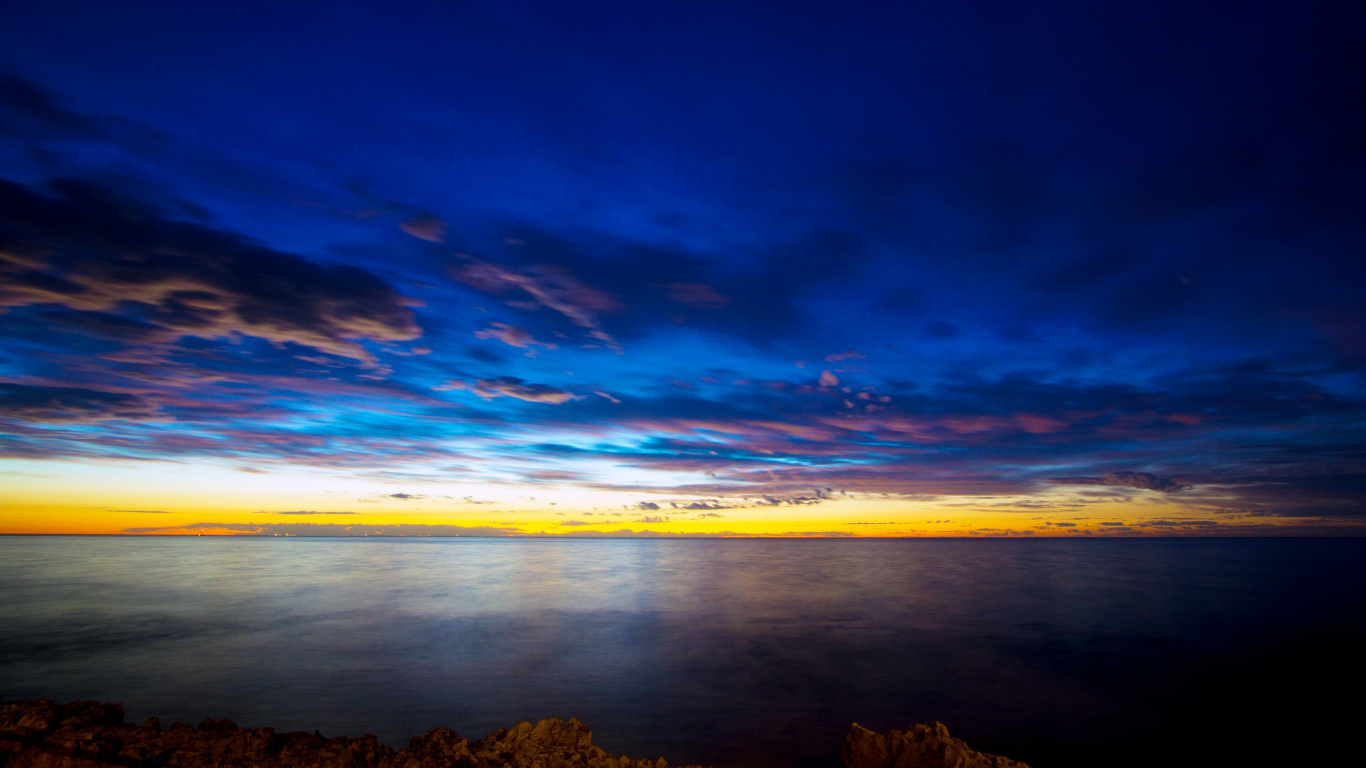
740, 255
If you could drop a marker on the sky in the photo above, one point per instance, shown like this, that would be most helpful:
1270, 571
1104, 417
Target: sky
709, 268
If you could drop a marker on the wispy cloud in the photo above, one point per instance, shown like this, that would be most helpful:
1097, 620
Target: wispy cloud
425, 227
71, 248
511, 386
544, 285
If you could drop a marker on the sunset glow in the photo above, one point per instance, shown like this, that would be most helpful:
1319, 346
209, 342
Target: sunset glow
505, 279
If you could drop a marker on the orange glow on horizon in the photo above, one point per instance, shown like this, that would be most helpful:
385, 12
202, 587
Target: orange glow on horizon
71, 498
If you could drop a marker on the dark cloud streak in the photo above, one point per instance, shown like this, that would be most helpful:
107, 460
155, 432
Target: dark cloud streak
82, 248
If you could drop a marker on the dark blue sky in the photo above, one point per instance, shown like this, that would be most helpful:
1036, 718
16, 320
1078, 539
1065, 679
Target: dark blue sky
749, 256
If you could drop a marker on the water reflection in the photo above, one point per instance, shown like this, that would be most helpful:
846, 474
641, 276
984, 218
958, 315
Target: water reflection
722, 652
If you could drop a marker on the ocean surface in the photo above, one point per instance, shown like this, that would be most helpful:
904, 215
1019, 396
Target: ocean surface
720, 652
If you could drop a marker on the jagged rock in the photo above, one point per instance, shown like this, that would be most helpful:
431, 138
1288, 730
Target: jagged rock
86, 734
42, 734
919, 746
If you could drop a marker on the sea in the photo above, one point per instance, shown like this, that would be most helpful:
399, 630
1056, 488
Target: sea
723, 653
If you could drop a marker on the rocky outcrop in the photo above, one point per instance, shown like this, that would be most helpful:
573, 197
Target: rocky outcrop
41, 734
920, 746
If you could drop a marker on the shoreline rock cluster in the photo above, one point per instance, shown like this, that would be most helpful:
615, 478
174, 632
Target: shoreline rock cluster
920, 746
42, 734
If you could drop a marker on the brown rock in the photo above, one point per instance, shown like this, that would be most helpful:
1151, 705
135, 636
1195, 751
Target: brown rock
919, 746
42, 734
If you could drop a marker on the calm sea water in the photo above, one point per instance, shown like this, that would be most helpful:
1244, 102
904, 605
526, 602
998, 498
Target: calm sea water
728, 653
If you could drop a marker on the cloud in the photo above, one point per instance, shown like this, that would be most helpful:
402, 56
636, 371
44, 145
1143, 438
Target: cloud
425, 227
1143, 481
544, 285
818, 495
69, 404
627, 533
512, 335
404, 496
654, 288
308, 512
511, 386
647, 505
82, 248
829, 379
1311, 494
764, 447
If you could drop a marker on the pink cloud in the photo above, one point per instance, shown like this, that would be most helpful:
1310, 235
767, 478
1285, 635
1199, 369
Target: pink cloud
425, 227
549, 286
511, 386
512, 335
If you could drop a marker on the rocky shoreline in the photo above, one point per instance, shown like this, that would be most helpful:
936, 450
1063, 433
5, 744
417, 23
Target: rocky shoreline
87, 734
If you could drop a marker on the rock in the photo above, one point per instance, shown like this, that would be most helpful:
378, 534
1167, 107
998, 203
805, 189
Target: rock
919, 746
86, 734
42, 734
